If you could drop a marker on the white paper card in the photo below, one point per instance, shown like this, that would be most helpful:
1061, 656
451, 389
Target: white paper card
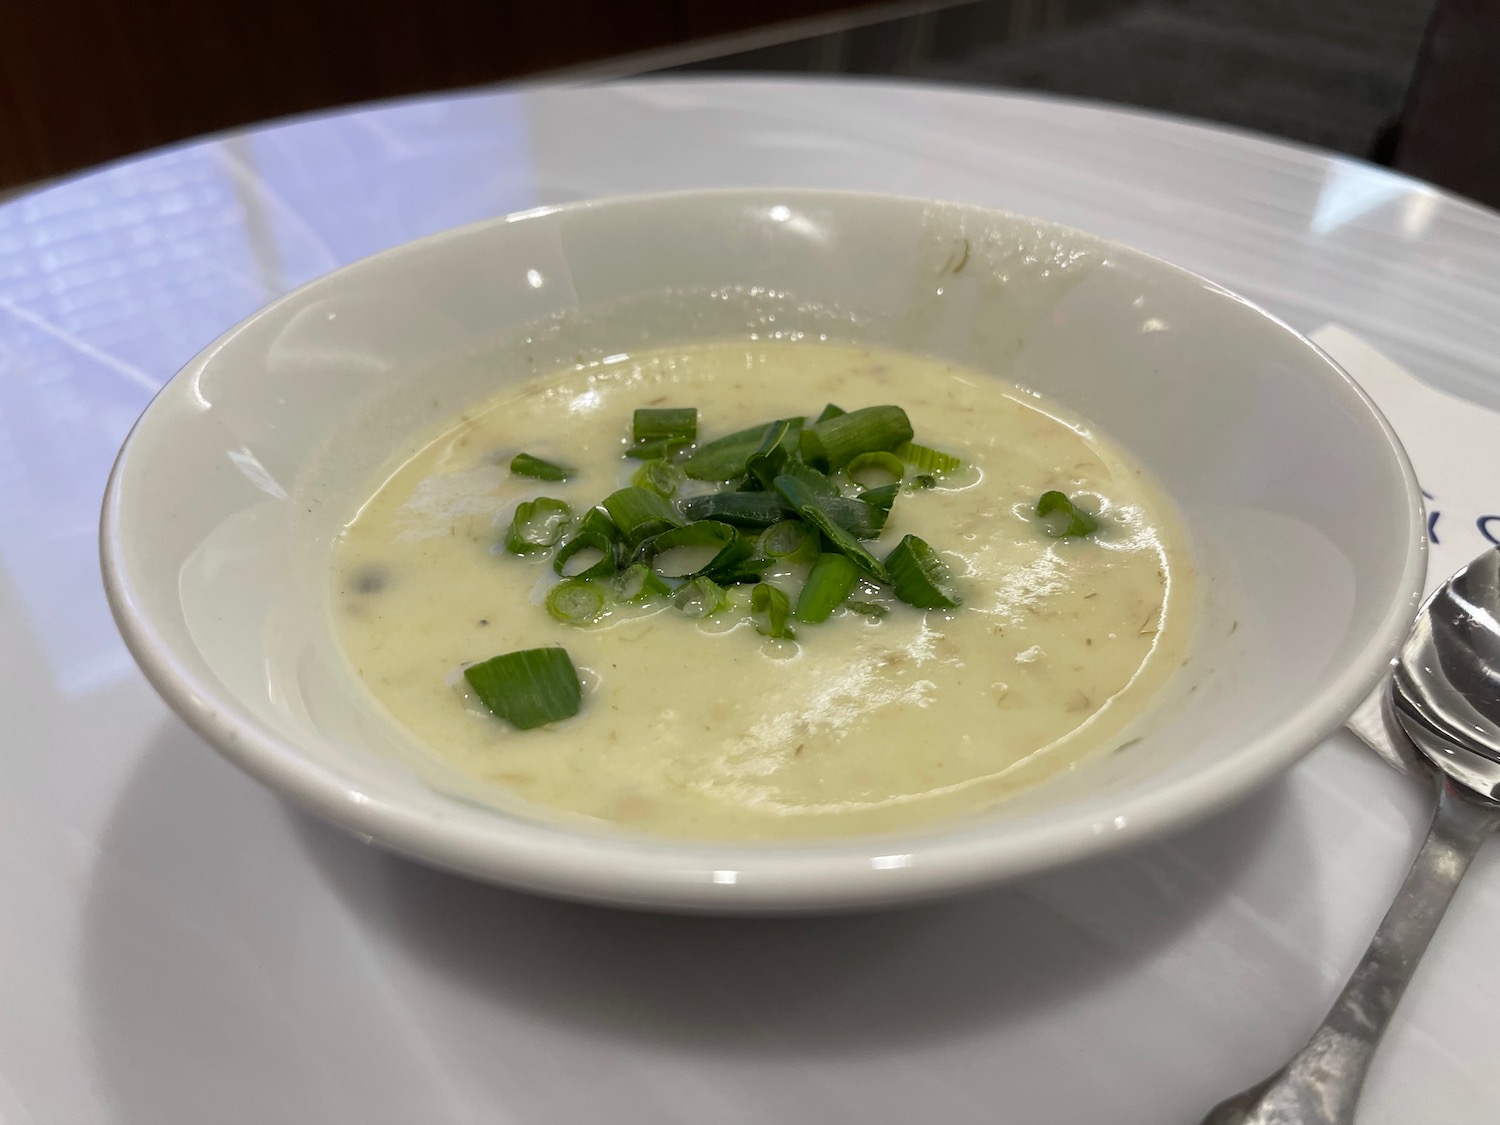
1454, 445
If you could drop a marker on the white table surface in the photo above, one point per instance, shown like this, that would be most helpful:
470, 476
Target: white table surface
176, 946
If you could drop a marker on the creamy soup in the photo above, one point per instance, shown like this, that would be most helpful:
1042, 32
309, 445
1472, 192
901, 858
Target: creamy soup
705, 728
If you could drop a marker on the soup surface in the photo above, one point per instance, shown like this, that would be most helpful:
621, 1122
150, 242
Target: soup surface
704, 728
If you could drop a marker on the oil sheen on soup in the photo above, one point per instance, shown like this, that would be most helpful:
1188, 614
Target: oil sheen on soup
705, 728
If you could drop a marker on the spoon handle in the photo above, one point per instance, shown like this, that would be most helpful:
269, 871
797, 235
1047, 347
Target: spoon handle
1321, 1082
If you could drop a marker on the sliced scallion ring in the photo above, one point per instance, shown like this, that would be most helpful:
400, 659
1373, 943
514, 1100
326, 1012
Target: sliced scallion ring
640, 513
596, 531
725, 458
639, 583
919, 577
678, 425
525, 465
875, 470
790, 541
830, 583
700, 597
769, 610
575, 601
536, 525
926, 461
1062, 517
660, 476
833, 443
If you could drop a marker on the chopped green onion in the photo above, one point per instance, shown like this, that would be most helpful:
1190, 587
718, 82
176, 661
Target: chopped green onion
710, 534
882, 497
831, 411
817, 482
809, 507
640, 513
790, 541
725, 458
1074, 521
742, 509
740, 561
869, 609
575, 601
658, 450
861, 519
769, 609
926, 461
536, 525
919, 577
528, 688
875, 470
832, 444
596, 531
660, 476
831, 581
640, 583
525, 465
780, 444
674, 424
700, 597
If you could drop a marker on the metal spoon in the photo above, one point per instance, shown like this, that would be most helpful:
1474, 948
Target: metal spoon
1445, 693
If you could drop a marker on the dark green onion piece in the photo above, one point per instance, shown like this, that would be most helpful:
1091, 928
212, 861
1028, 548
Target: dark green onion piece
740, 561
742, 509
700, 597
597, 531
575, 601
725, 458
919, 577
640, 513
833, 443
658, 450
831, 581
809, 507
869, 609
885, 469
528, 688
926, 461
536, 525
831, 411
1077, 521
882, 497
678, 425
780, 444
660, 476
525, 465
639, 583
817, 482
769, 610
860, 519
790, 541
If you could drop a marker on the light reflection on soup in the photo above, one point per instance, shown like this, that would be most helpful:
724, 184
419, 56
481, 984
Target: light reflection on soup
707, 729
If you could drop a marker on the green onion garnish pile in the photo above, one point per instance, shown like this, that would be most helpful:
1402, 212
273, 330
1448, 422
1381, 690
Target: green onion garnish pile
785, 492
789, 493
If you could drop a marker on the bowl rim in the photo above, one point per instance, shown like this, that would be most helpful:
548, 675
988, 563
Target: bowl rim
663, 873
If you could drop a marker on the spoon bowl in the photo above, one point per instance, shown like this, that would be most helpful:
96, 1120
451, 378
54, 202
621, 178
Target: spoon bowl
1446, 686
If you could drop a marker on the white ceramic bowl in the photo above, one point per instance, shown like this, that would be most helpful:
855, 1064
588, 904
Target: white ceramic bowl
222, 508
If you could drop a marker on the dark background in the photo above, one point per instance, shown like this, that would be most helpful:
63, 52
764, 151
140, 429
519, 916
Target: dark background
1411, 83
